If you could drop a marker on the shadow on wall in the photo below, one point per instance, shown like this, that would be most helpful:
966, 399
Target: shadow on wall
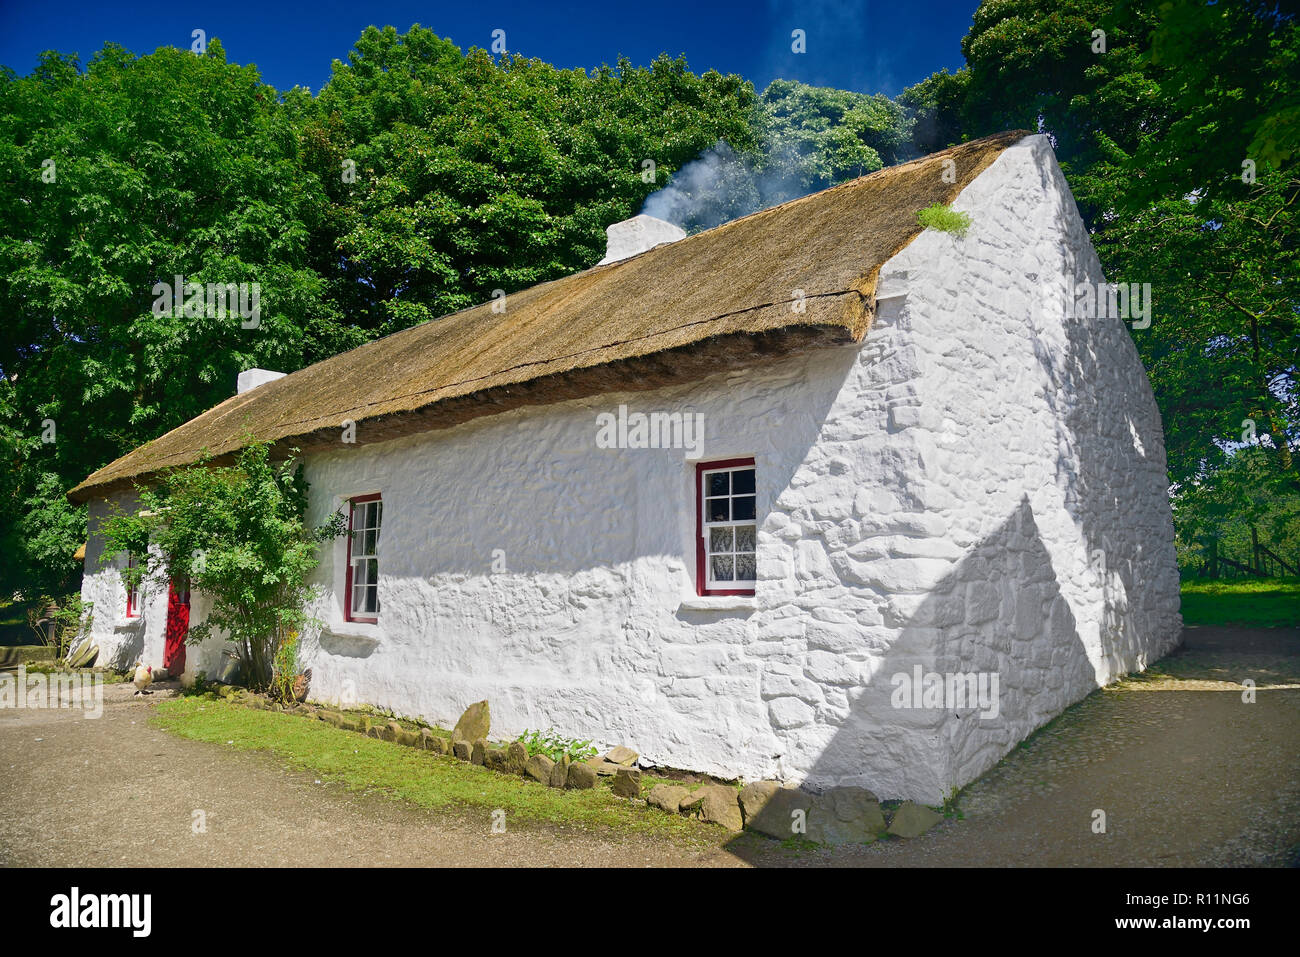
127, 653
1110, 465
999, 621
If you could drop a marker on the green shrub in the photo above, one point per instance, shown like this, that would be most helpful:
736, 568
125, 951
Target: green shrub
285, 669
555, 747
235, 533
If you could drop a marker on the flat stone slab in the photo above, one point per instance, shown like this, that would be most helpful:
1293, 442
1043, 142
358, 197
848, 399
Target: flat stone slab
775, 810
845, 815
621, 755
913, 820
667, 797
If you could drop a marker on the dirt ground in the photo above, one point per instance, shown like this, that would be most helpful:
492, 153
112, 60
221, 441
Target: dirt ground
1185, 771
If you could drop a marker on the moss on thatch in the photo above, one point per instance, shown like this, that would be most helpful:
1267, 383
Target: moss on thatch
715, 300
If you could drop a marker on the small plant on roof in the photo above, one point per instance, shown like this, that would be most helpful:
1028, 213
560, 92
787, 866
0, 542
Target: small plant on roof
945, 219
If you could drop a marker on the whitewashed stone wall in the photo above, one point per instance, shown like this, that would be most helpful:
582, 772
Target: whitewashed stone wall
1036, 541
932, 498
122, 641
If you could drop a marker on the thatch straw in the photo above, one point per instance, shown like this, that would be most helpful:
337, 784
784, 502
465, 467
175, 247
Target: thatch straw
712, 301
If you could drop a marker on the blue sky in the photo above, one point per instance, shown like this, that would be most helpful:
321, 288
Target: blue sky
869, 47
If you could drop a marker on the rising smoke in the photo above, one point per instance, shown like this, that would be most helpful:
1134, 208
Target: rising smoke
718, 187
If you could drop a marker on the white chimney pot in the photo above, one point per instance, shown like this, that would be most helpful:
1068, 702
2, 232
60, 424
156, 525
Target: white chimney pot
252, 378
636, 235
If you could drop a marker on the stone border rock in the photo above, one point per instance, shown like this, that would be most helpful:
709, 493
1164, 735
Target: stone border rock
841, 815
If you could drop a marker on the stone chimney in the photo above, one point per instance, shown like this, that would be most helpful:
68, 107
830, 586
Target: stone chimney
636, 235
252, 378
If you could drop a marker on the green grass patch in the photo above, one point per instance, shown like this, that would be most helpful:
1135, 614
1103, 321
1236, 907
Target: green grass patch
1259, 603
426, 779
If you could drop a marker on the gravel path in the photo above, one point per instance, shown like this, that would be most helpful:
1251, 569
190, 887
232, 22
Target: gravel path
1186, 772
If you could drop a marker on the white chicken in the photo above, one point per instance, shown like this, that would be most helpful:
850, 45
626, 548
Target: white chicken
143, 678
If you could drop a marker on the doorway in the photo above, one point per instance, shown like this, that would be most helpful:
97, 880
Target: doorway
178, 627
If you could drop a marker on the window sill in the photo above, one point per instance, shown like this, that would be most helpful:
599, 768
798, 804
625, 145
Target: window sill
351, 639
718, 603
367, 630
123, 623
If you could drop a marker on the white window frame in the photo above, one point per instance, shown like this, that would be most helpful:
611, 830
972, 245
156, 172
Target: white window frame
353, 592
709, 585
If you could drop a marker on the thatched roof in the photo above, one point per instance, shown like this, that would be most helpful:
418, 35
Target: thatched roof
711, 301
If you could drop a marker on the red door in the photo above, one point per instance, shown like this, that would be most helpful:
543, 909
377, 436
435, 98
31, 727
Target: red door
178, 626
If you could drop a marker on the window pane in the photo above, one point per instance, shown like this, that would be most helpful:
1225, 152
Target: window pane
715, 510
363, 544
719, 539
722, 568
745, 535
746, 567
719, 483
742, 482
742, 508
365, 588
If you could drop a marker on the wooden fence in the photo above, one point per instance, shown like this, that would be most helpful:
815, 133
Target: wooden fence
1261, 562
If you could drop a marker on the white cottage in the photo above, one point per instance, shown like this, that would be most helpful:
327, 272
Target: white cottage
889, 466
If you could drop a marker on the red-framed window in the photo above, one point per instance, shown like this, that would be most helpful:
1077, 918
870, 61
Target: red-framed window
132, 594
726, 519
361, 588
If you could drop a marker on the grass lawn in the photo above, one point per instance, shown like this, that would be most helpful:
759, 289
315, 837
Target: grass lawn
1261, 603
421, 777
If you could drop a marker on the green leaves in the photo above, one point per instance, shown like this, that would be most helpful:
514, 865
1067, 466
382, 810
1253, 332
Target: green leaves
235, 533
555, 746
476, 174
